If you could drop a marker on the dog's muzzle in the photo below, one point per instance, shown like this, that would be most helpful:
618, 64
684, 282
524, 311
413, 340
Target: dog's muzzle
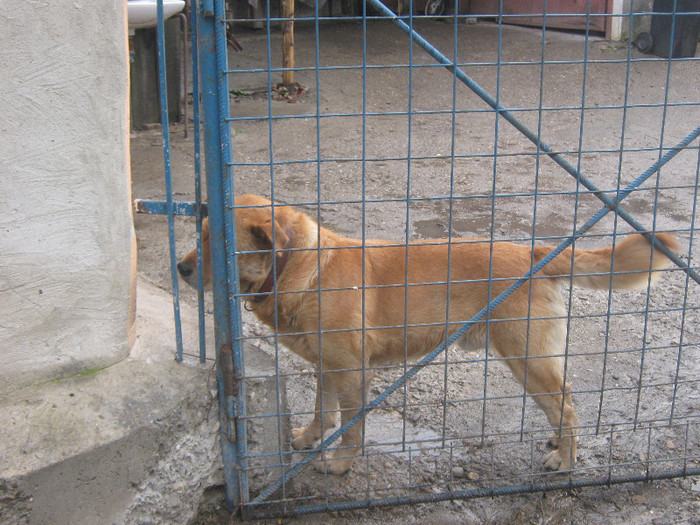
185, 269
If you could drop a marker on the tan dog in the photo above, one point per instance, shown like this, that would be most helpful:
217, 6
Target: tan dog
339, 311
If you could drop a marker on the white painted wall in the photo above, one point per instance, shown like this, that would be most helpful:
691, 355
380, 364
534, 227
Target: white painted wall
626, 28
66, 234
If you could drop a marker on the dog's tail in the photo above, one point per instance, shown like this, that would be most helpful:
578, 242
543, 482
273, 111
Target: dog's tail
630, 264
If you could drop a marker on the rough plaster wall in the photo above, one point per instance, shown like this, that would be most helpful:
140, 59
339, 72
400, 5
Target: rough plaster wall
65, 221
640, 23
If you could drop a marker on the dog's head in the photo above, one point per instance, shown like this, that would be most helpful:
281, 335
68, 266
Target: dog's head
254, 236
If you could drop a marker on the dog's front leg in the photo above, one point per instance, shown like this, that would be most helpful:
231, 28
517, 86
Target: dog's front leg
350, 388
324, 415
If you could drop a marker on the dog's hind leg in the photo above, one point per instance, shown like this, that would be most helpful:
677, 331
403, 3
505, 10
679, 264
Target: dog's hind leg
553, 441
541, 373
563, 419
324, 415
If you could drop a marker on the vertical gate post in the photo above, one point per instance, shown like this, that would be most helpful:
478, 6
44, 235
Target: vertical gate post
288, 42
229, 370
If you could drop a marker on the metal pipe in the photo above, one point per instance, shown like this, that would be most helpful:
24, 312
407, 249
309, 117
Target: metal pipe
253, 511
183, 98
200, 207
165, 125
216, 181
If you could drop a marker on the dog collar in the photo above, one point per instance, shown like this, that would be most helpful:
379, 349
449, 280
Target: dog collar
280, 261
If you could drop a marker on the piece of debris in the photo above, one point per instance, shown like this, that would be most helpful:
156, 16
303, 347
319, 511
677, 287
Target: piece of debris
613, 47
291, 93
639, 499
254, 94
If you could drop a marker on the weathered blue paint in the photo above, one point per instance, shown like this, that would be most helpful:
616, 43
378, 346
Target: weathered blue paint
254, 511
157, 207
165, 124
200, 208
238, 403
224, 274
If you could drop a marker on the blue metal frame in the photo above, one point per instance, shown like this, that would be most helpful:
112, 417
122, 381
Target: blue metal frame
230, 371
209, 43
156, 207
171, 207
165, 123
200, 207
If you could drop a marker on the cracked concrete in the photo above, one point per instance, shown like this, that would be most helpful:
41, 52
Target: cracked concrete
137, 442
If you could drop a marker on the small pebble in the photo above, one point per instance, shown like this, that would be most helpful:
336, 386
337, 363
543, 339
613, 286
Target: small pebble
639, 499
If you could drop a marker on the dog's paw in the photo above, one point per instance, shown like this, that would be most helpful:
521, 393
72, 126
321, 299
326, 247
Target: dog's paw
555, 461
302, 437
330, 464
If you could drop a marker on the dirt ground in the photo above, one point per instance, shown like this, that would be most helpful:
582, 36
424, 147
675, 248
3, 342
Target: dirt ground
651, 367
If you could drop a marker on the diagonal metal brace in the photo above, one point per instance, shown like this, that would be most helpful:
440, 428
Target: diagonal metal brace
537, 141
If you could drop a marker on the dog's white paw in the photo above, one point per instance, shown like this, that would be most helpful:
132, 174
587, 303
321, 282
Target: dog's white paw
303, 437
555, 461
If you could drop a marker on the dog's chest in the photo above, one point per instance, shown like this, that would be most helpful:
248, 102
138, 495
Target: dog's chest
299, 344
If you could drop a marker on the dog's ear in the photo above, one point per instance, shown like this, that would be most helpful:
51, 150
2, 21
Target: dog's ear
263, 235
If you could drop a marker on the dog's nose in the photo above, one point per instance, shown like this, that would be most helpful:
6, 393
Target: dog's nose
185, 269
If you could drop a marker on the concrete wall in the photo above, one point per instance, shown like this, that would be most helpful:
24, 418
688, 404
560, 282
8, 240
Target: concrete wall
66, 234
640, 22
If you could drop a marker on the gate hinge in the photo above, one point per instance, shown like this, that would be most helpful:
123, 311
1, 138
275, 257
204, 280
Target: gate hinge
230, 390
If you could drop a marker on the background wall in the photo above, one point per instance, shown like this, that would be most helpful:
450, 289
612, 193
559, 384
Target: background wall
640, 23
66, 234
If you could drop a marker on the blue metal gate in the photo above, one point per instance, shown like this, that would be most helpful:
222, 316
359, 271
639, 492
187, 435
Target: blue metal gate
209, 26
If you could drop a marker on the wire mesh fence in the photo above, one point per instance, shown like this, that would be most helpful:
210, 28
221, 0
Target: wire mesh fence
475, 131
387, 144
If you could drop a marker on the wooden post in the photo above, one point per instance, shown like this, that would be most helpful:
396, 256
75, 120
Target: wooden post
288, 42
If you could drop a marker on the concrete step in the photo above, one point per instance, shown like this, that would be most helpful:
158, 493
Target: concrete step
136, 442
